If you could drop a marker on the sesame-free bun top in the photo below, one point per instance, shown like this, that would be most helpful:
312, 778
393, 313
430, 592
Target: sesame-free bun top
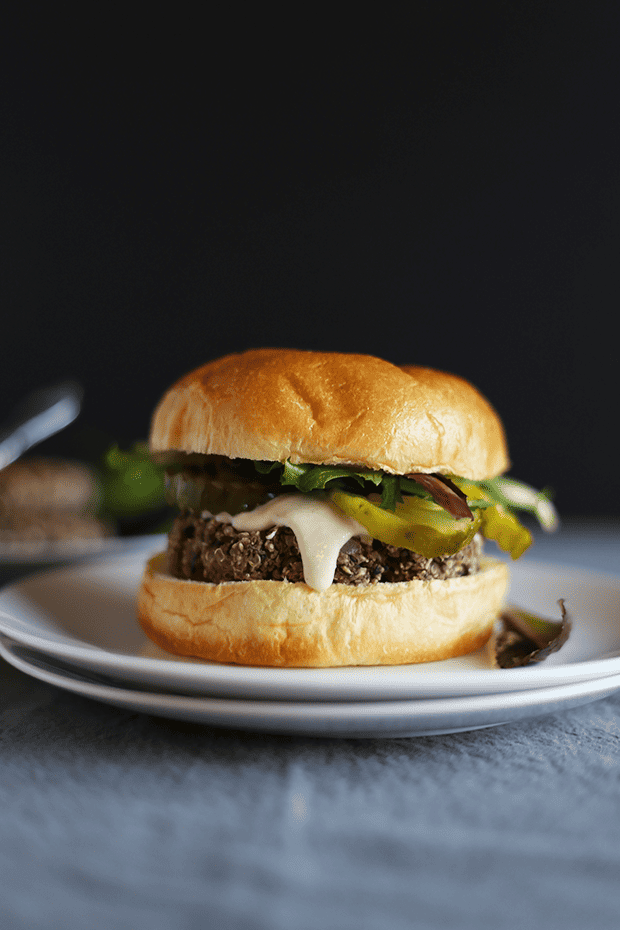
332, 408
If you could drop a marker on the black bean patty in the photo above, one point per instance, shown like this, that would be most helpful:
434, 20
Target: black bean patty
203, 549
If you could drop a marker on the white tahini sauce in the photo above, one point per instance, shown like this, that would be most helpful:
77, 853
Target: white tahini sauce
320, 530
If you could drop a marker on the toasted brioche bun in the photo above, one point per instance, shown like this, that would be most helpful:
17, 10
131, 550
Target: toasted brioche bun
277, 623
331, 408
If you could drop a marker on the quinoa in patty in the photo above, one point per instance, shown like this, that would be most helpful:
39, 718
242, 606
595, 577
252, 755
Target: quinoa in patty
203, 549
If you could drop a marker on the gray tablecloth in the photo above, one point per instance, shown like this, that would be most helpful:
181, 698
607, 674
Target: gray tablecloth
117, 820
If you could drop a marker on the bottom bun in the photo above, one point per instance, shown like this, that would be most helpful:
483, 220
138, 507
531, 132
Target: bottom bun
279, 623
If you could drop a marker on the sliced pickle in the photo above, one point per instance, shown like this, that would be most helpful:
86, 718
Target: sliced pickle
417, 524
498, 524
195, 489
503, 527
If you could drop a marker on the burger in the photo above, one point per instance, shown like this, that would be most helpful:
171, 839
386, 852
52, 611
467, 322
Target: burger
49, 505
332, 511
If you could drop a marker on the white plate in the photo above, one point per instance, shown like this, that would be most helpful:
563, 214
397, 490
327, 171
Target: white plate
84, 614
46, 552
343, 719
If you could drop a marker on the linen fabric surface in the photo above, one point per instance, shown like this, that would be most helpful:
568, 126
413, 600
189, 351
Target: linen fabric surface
120, 820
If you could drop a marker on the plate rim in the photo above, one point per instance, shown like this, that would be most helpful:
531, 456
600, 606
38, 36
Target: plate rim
231, 677
61, 554
493, 701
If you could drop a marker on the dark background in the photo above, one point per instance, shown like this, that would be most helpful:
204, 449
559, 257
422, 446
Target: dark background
438, 183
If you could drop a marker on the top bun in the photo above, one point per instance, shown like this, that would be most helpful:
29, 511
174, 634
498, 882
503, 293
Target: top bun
332, 408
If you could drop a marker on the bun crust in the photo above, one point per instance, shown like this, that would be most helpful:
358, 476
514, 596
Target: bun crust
276, 623
332, 408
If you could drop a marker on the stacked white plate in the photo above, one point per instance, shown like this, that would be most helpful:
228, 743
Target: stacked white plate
75, 627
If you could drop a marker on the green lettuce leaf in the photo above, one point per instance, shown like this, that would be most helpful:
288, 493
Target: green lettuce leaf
515, 495
497, 498
391, 493
132, 482
511, 494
